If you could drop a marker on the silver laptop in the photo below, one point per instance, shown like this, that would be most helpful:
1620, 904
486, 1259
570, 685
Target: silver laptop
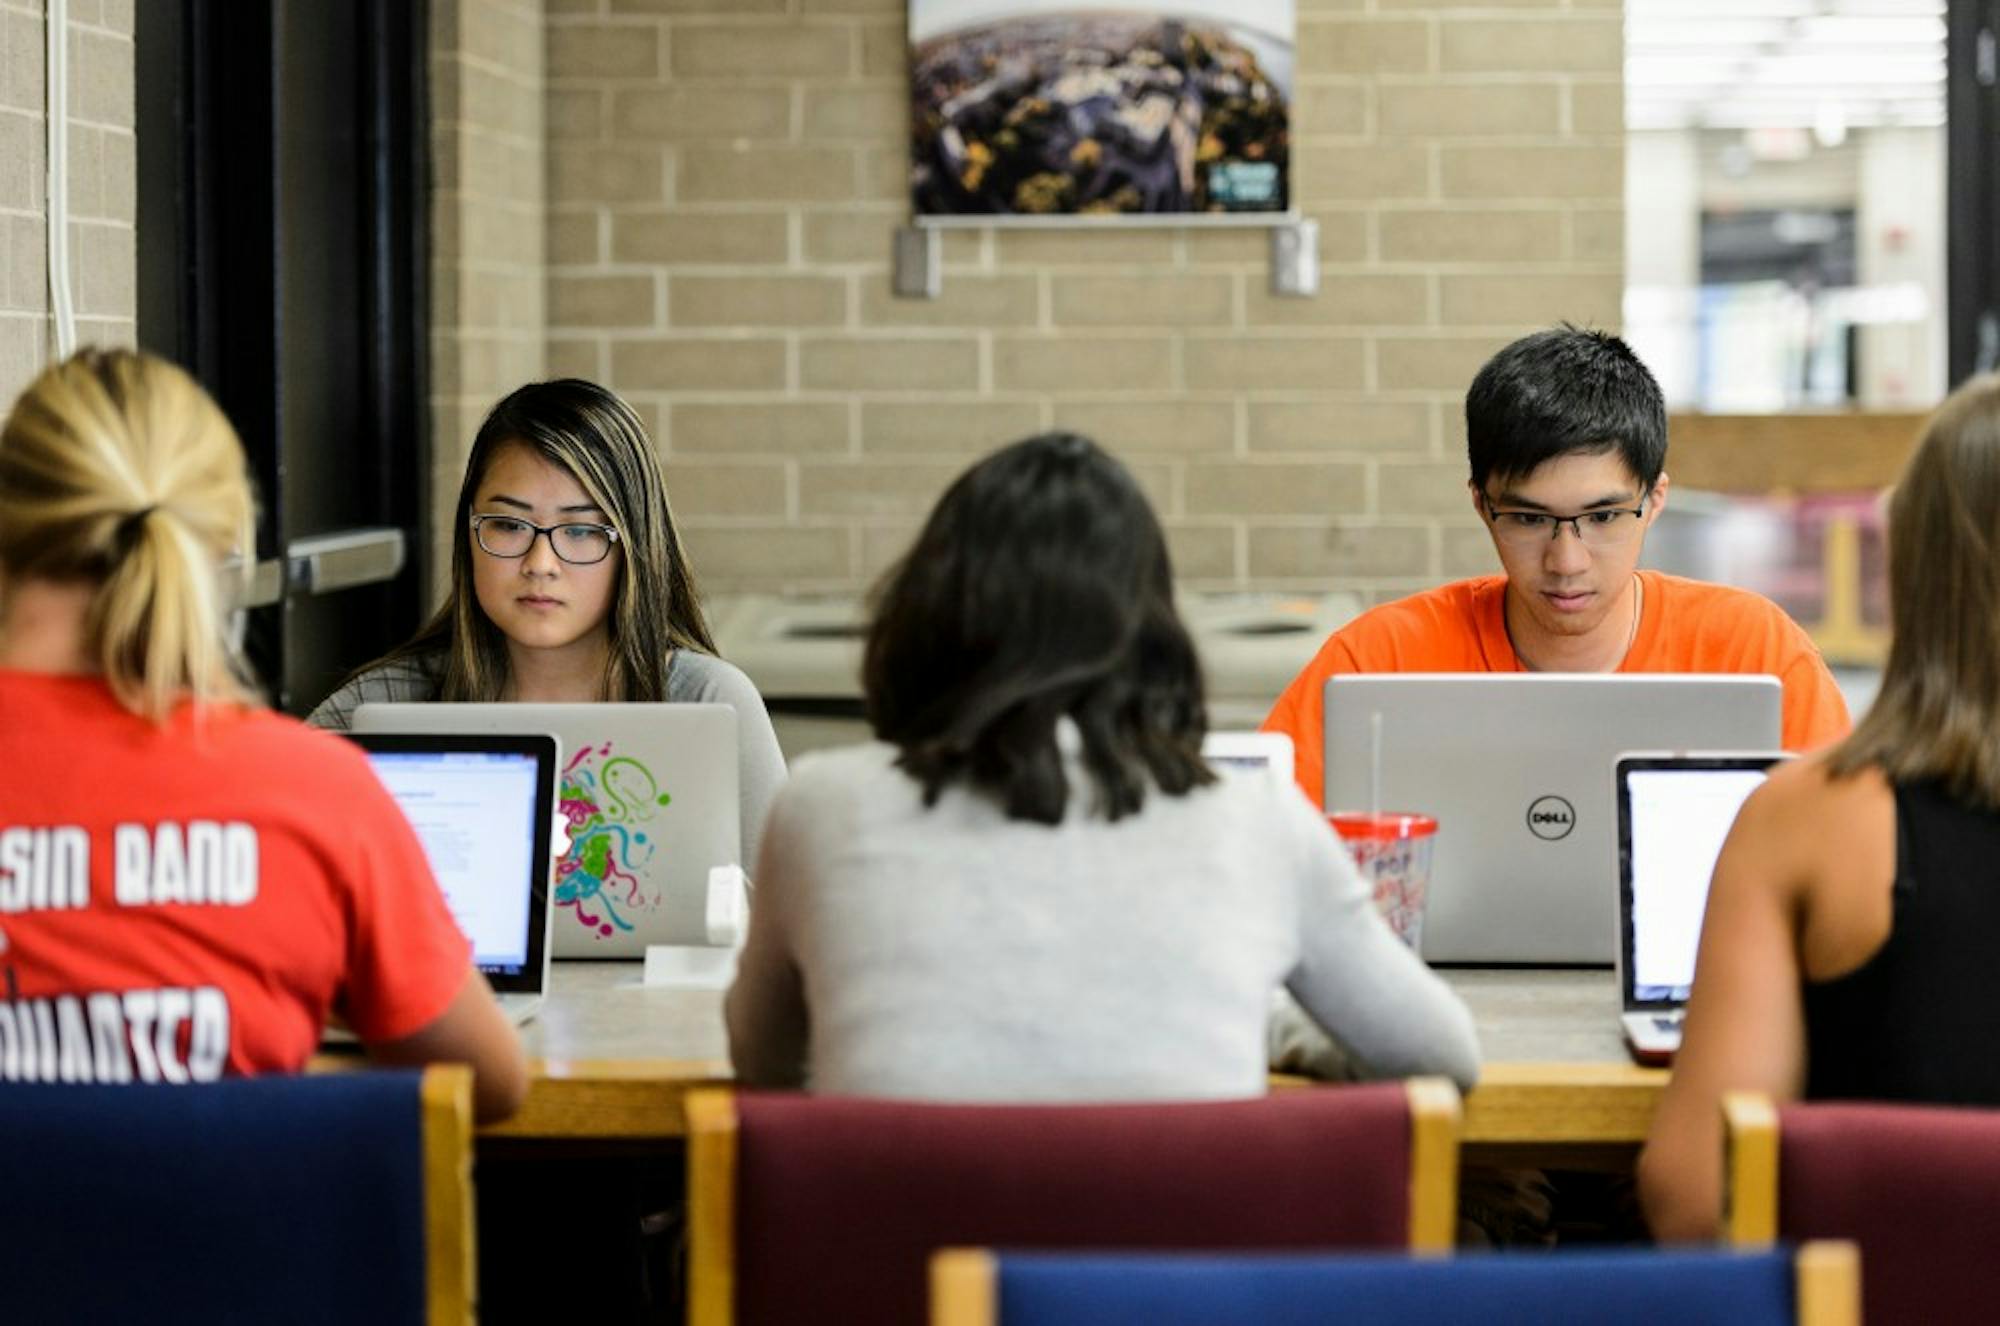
649, 795
1517, 768
484, 808
1673, 813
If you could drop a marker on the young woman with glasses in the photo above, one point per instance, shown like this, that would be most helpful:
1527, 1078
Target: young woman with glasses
569, 583
179, 899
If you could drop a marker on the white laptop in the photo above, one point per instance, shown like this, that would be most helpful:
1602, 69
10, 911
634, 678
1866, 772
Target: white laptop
484, 808
649, 794
1250, 750
1517, 769
1673, 813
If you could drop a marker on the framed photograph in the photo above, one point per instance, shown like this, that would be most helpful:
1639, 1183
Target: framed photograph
1112, 108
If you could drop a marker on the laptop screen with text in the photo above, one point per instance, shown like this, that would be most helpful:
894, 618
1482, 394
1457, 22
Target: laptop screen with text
474, 812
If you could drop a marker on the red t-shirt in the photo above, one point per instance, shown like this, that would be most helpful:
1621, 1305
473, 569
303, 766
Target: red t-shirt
190, 899
1684, 626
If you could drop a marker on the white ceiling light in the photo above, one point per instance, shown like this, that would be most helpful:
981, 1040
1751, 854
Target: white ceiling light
1764, 63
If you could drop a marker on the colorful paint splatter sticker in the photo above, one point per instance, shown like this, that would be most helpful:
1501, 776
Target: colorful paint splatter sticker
607, 800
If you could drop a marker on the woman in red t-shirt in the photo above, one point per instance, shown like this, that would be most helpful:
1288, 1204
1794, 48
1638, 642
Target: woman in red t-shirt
189, 884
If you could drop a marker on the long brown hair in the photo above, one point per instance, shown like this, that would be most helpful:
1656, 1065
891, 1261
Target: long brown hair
589, 432
1937, 716
118, 471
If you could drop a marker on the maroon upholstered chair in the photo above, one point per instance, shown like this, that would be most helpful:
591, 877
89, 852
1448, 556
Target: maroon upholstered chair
1917, 1187
827, 1209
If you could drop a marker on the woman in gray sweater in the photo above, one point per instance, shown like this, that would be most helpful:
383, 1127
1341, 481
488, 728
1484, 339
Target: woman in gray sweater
1033, 888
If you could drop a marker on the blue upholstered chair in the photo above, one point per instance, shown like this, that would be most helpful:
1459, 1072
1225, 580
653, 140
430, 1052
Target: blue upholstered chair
339, 1199
1819, 1286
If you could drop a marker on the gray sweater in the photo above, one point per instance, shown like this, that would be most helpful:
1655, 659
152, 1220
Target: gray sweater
951, 953
691, 679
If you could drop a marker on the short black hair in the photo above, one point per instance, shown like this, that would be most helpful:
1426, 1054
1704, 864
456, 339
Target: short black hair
1561, 392
1040, 588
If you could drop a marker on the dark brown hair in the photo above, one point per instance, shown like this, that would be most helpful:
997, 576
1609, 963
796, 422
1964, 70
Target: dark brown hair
588, 431
1039, 589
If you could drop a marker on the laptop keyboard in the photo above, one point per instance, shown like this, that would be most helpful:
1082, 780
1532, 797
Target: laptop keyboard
1667, 1022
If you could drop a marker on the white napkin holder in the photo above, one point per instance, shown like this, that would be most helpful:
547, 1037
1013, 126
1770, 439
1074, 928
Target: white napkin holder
709, 966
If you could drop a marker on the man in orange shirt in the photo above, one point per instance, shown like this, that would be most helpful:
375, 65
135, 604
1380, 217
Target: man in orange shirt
1566, 433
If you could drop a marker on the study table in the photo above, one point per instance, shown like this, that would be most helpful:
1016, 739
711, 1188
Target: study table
612, 1059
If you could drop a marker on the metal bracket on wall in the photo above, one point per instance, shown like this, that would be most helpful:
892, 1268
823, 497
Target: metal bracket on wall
919, 263
1295, 259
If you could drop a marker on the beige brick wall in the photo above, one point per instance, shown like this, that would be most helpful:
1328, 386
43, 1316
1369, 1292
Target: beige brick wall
724, 179
102, 179
489, 231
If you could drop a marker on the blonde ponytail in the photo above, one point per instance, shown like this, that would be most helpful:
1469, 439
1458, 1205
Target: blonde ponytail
116, 469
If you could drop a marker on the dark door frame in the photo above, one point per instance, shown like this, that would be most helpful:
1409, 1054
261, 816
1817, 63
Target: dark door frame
211, 86
1972, 207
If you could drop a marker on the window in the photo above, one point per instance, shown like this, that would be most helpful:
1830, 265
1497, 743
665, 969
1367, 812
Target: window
1786, 202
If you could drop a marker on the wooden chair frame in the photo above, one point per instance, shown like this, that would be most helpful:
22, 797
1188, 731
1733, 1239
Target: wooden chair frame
711, 1162
1435, 1115
712, 1141
1750, 1169
1829, 1283
451, 1278
965, 1286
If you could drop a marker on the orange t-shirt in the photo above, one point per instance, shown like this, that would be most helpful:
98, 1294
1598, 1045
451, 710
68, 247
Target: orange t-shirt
1684, 626
186, 900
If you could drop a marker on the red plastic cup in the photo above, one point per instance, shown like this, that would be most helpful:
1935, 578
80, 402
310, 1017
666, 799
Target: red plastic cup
1392, 848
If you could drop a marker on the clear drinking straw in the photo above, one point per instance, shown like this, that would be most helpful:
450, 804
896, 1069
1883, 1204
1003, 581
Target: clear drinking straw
1375, 764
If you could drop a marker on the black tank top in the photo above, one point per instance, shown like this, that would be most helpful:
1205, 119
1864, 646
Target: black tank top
1920, 1020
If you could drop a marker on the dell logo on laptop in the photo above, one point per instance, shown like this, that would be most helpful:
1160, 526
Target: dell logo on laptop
1551, 818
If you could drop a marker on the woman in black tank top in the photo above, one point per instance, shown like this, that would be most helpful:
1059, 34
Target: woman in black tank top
1854, 916
1919, 1021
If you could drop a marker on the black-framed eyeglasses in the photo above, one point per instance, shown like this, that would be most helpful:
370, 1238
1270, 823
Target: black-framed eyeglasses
1605, 527
578, 542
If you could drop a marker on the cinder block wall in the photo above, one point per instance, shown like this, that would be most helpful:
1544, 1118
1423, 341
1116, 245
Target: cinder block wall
724, 179
488, 227
103, 184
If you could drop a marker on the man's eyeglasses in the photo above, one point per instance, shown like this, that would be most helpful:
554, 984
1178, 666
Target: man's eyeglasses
579, 543
1606, 527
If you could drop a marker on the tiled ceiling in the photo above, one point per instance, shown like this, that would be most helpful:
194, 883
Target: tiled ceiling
1741, 64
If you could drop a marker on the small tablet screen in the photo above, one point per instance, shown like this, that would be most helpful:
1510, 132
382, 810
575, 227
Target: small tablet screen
1678, 819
